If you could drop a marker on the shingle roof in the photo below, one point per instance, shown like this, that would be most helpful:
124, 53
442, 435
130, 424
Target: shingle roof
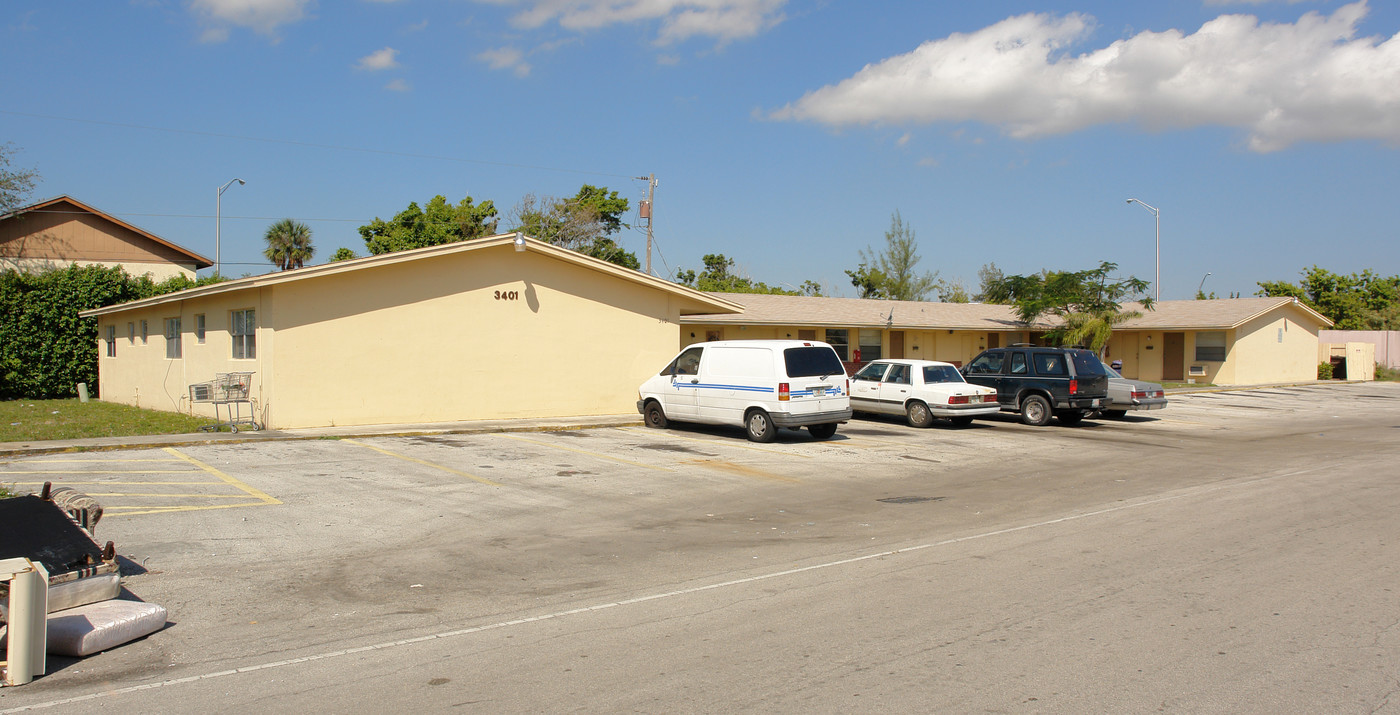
53, 204
762, 309
687, 299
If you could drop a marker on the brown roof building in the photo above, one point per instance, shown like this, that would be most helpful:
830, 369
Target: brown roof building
62, 231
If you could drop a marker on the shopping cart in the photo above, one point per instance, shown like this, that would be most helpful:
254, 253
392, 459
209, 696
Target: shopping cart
229, 389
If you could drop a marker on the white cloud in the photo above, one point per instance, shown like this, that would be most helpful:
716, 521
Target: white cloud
1282, 83
723, 20
398, 85
506, 58
385, 59
264, 16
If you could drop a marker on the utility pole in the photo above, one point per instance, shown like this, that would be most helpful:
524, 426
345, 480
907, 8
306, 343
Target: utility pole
645, 211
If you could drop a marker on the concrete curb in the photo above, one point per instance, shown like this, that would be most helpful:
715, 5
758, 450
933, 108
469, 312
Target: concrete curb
108, 444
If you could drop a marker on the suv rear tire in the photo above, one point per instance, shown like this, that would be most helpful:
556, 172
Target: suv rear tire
1071, 417
1035, 411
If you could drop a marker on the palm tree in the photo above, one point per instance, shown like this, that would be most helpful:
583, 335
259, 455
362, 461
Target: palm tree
288, 244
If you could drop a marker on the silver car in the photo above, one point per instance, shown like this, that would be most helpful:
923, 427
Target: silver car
1125, 394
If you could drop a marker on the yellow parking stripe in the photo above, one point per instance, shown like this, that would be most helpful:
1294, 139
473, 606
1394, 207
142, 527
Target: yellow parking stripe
742, 470
168, 496
115, 511
591, 454
97, 471
737, 445
98, 461
415, 460
121, 482
264, 497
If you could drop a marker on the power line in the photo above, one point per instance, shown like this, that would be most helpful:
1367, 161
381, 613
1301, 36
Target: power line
293, 142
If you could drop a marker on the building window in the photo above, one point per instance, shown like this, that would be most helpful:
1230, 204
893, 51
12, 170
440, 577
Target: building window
1210, 346
836, 337
111, 341
131, 333
145, 331
244, 331
869, 345
172, 339
199, 328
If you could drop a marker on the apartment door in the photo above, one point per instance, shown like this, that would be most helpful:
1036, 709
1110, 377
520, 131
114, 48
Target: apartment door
1173, 357
897, 344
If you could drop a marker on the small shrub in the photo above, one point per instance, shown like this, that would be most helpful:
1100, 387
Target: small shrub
1387, 374
1324, 371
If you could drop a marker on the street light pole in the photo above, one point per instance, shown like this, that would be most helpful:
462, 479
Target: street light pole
218, 218
1202, 286
1157, 280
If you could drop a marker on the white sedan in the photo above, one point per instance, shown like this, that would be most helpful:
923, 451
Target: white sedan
920, 390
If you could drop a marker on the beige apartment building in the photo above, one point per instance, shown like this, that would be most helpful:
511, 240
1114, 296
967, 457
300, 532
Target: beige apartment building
1224, 342
59, 232
498, 327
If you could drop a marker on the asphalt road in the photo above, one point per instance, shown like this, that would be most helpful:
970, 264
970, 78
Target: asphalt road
1236, 552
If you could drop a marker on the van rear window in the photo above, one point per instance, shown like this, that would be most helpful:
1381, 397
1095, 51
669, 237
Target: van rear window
812, 362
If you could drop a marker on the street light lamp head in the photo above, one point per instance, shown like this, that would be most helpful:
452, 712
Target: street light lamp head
241, 182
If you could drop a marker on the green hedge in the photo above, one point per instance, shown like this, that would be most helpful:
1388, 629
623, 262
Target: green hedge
45, 348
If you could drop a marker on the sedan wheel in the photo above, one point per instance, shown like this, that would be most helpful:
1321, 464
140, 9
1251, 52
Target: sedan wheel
918, 414
961, 421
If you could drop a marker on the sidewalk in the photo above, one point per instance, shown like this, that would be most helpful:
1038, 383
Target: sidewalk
100, 444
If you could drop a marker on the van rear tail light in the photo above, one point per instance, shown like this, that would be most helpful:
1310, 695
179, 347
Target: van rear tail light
1073, 387
784, 394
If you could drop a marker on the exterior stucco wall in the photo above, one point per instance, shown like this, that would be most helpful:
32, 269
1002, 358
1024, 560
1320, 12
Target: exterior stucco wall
157, 271
143, 376
486, 334
1274, 348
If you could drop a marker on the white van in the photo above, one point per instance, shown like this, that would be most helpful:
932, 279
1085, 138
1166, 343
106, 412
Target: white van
760, 385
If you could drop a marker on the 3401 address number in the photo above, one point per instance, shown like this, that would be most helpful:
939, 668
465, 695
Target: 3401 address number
507, 295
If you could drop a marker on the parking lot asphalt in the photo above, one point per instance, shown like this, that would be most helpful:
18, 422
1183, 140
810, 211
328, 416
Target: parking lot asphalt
619, 568
35, 447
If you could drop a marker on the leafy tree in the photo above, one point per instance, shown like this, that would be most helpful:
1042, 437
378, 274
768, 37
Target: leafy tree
869, 282
15, 184
718, 277
46, 349
1360, 301
953, 292
892, 270
987, 277
582, 223
343, 254
288, 244
1087, 302
811, 288
440, 223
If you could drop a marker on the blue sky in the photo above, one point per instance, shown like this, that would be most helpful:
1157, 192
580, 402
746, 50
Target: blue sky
784, 133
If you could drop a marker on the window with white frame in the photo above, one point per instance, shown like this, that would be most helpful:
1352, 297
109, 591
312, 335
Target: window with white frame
111, 341
172, 339
1210, 346
199, 328
243, 326
869, 345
